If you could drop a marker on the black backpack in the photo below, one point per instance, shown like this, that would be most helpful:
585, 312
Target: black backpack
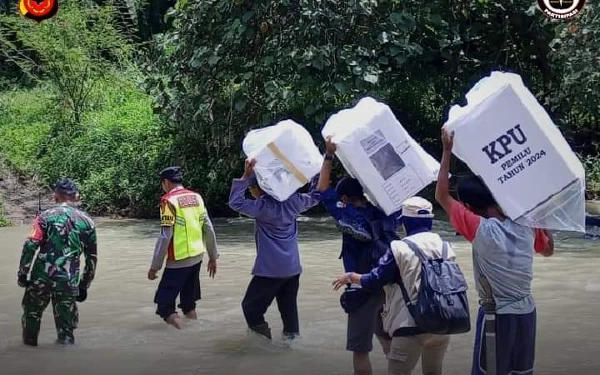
442, 307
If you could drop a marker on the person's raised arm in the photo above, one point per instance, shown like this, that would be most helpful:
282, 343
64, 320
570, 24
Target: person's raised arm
304, 202
325, 175
464, 221
237, 200
442, 187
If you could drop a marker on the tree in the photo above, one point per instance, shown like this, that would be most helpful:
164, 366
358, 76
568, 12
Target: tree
72, 50
227, 67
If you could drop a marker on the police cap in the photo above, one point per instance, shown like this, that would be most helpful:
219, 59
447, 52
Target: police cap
172, 174
65, 186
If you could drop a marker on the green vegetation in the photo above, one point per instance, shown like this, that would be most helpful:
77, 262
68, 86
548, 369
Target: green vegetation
85, 116
592, 168
4, 222
108, 101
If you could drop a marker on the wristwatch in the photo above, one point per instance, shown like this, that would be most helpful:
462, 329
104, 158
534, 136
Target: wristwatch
328, 157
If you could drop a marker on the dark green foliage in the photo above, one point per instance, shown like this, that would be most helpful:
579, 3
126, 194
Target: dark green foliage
227, 67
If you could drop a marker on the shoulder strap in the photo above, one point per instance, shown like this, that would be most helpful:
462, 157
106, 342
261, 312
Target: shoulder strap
418, 252
404, 293
422, 258
444, 250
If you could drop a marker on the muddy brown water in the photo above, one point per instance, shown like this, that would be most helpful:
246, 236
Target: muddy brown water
120, 335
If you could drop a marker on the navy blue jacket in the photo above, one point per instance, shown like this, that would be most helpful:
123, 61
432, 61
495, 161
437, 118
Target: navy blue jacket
359, 253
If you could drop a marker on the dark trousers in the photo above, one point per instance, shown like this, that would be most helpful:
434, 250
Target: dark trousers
184, 282
66, 315
515, 344
260, 295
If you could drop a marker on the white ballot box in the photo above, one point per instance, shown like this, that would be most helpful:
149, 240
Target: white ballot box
286, 158
375, 149
506, 137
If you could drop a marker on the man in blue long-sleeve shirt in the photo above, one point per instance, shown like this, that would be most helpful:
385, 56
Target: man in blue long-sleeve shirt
367, 233
400, 264
277, 268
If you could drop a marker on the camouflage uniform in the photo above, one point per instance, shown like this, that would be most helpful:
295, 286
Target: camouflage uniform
62, 234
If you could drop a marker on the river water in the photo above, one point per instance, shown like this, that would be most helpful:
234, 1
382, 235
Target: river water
120, 335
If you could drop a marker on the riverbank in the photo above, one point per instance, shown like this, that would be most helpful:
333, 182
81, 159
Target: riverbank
20, 197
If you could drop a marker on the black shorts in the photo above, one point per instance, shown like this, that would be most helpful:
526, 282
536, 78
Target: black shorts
365, 322
182, 282
515, 344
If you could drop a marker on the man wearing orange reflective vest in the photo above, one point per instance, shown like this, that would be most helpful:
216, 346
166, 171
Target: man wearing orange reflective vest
186, 233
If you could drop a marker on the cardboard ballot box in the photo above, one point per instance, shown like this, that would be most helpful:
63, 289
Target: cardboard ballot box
286, 158
505, 136
375, 149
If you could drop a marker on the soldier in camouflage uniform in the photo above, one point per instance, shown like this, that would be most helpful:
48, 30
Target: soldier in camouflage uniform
62, 234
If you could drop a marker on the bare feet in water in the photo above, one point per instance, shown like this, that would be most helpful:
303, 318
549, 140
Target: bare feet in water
191, 315
175, 321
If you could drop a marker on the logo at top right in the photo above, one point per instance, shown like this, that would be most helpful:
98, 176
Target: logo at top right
561, 9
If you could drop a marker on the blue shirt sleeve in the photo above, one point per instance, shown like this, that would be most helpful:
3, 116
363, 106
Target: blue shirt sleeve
254, 208
332, 203
330, 200
304, 202
387, 272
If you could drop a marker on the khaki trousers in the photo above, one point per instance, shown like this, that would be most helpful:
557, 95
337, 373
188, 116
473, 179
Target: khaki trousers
405, 353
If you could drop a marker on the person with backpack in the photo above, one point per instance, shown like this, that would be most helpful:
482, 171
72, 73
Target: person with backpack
425, 293
503, 268
366, 234
277, 269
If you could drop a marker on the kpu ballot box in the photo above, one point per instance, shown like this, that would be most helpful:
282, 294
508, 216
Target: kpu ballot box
375, 149
507, 138
286, 158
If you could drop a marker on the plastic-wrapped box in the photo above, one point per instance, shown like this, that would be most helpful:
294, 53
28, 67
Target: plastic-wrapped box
505, 136
375, 149
286, 158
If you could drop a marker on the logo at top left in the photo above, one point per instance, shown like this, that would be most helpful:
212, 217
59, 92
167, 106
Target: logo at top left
38, 11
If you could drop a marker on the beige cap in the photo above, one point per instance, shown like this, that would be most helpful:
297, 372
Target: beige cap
417, 207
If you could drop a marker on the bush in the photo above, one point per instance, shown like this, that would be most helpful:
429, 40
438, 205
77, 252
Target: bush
25, 118
86, 119
115, 158
4, 222
592, 174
